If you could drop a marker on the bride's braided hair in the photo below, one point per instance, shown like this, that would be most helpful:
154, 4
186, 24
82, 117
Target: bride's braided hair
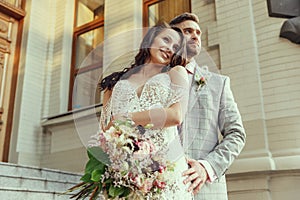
179, 57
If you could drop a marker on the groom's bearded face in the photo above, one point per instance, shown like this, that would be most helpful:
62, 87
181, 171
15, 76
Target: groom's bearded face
192, 33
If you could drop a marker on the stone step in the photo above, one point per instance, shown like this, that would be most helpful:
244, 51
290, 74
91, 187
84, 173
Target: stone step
28, 183
35, 172
9, 193
19, 182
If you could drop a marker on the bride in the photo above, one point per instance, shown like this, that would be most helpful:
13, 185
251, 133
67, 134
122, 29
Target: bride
154, 90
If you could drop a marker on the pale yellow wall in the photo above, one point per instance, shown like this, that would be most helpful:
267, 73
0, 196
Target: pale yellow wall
266, 185
56, 94
279, 69
30, 89
122, 31
43, 80
66, 147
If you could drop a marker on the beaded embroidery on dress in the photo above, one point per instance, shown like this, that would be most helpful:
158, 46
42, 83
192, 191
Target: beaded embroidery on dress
158, 92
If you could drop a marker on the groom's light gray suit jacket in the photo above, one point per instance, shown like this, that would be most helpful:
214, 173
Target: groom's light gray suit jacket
212, 110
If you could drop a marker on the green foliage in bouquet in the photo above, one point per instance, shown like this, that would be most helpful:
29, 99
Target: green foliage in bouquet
92, 183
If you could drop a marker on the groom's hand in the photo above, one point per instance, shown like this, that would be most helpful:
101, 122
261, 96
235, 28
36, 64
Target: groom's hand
196, 175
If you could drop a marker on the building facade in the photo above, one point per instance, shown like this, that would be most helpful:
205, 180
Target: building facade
47, 46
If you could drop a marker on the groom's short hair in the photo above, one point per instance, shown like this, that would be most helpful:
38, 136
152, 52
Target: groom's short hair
183, 17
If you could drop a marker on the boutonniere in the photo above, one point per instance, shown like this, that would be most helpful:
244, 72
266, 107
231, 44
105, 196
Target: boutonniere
200, 81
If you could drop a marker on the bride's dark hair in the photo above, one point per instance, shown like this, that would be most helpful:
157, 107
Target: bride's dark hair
179, 57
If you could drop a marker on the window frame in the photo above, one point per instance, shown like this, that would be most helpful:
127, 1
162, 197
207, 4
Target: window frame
79, 30
148, 3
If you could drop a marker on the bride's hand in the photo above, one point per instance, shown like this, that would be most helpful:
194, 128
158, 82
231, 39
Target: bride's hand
196, 176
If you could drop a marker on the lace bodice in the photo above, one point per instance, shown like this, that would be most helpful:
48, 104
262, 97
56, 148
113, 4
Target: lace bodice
158, 91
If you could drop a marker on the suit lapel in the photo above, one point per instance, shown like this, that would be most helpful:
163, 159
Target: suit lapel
194, 92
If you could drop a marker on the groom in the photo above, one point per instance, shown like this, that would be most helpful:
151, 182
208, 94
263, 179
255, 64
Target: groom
212, 110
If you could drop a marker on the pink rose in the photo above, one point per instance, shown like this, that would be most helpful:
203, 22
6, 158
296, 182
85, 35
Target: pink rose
159, 184
161, 169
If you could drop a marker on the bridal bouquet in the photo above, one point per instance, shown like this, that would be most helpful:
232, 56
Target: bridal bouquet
125, 163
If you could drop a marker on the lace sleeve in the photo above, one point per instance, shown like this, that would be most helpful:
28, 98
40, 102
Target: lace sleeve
178, 94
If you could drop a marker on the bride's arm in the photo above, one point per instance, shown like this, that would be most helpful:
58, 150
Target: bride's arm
106, 96
159, 117
172, 115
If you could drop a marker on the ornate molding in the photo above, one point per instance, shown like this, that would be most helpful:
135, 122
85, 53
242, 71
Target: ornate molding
6, 24
11, 10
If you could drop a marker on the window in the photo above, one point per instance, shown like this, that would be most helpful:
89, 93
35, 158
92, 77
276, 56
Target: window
86, 64
155, 11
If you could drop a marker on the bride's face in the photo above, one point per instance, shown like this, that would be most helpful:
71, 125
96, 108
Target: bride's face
164, 46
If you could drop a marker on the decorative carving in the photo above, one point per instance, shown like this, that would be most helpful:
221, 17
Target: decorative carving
4, 46
12, 10
3, 27
2, 57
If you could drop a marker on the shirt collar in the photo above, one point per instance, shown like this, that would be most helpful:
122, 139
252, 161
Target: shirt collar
190, 67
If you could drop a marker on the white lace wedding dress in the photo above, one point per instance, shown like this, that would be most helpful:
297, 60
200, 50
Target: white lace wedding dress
158, 91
